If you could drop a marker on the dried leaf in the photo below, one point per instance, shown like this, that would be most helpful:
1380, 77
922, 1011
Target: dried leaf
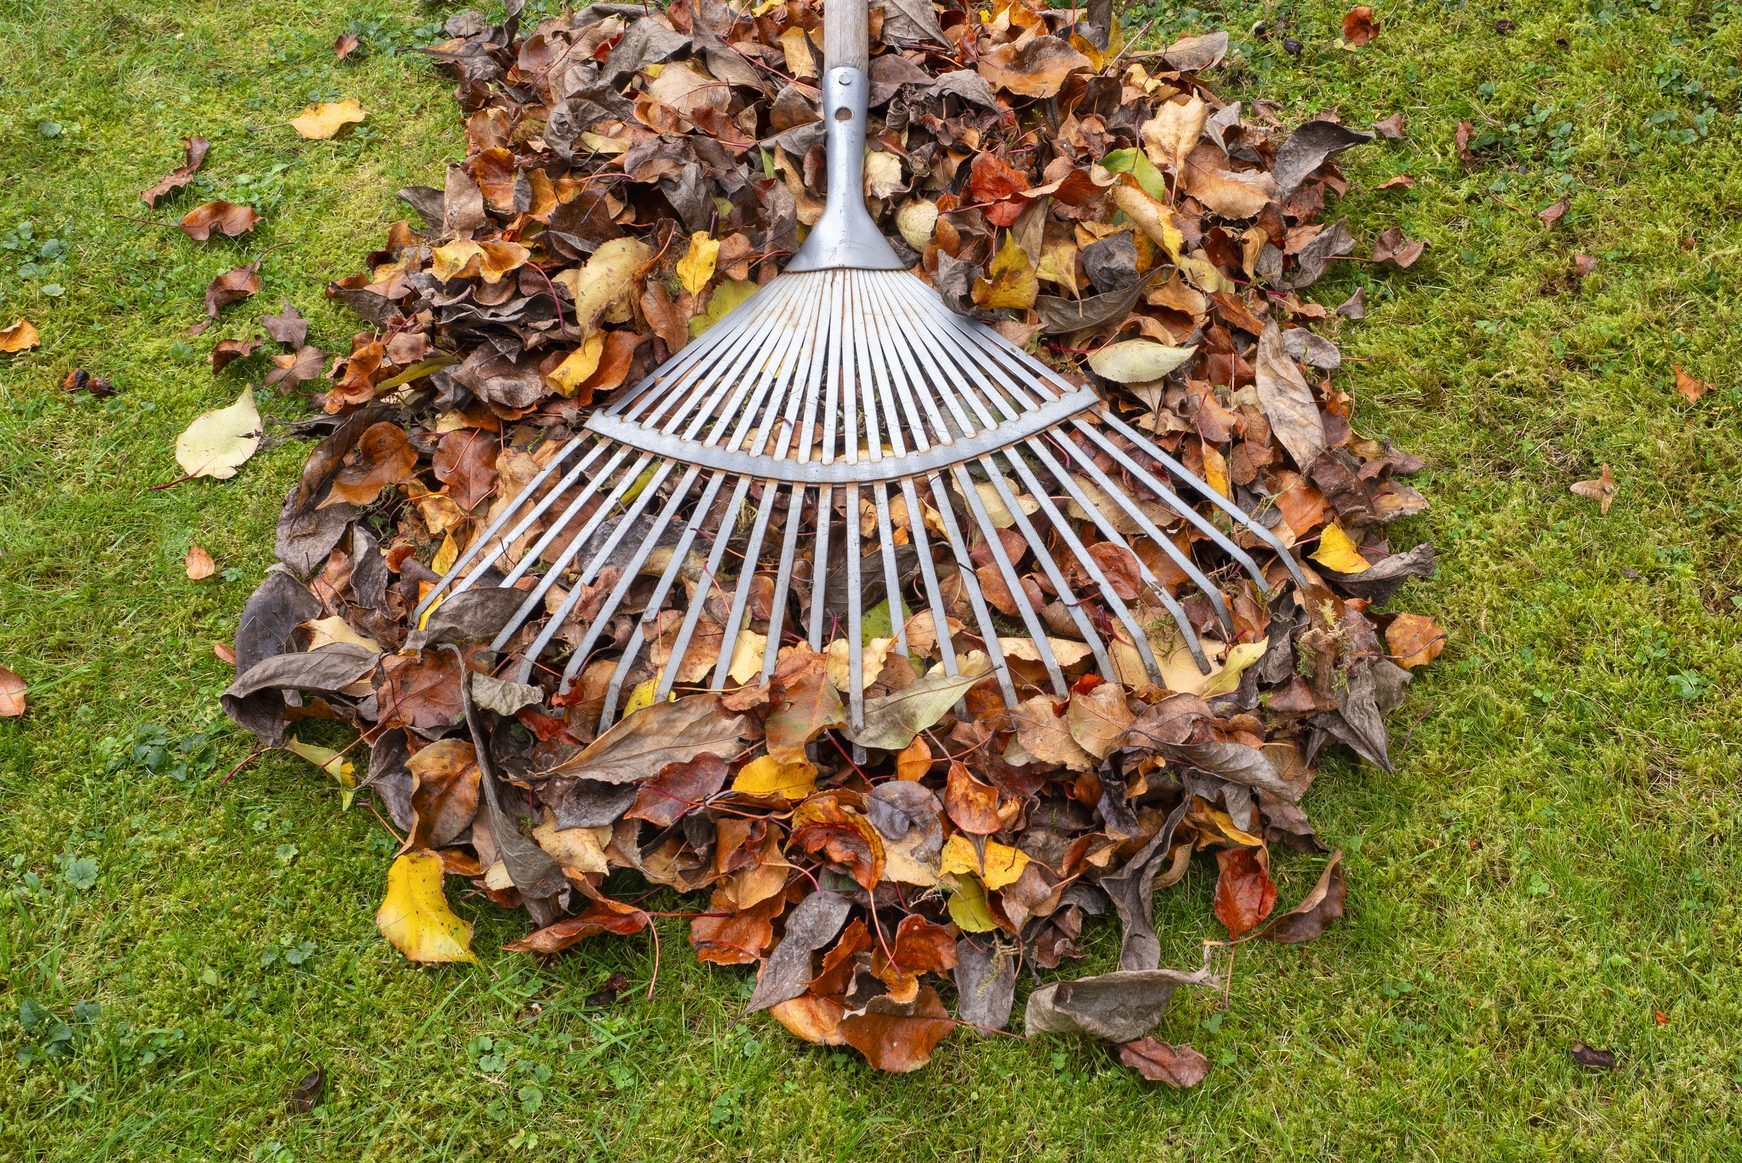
199, 564
1138, 361
12, 691
19, 335
1118, 1007
194, 151
892, 721
219, 442
325, 120
664, 733
1180, 1067
226, 218
1601, 490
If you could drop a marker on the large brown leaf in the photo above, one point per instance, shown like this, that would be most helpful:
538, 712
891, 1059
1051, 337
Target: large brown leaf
653, 737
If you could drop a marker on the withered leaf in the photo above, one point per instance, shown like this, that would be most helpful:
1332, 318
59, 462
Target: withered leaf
1314, 914
288, 327
787, 972
1601, 490
1592, 1058
1245, 893
1119, 1007
232, 286
1286, 400
664, 733
12, 692
600, 916
898, 1038
305, 1093
1307, 148
226, 218
194, 151
1180, 1067
985, 977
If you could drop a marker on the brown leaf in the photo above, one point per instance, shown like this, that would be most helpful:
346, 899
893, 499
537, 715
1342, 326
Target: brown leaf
1245, 893
226, 218
1032, 68
1414, 640
1583, 264
445, 786
199, 564
1391, 246
1601, 490
1591, 1058
305, 1094
19, 336
1180, 1067
12, 691
194, 153
465, 461
602, 915
971, 804
1286, 400
805, 706
899, 1038
345, 45
830, 823
1359, 27
1688, 387
80, 380
228, 351
1314, 914
232, 286
288, 327
1393, 128
383, 457
422, 693
1462, 139
642, 744
678, 789
1553, 212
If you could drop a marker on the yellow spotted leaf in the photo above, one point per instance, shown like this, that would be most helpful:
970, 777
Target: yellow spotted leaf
1010, 282
219, 441
1337, 551
322, 121
1002, 866
414, 916
767, 776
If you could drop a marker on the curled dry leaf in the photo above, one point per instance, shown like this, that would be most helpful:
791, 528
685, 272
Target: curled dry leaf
1180, 1067
1359, 27
1600, 490
227, 218
194, 150
1689, 388
12, 690
199, 564
19, 335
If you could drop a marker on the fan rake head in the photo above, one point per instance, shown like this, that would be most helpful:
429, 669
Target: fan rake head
840, 447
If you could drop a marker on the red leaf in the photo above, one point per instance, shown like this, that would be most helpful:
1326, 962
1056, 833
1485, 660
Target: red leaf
1244, 891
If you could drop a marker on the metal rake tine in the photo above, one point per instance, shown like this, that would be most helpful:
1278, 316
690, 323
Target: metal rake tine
1007, 570
820, 566
1111, 533
855, 613
492, 531
928, 571
668, 675
971, 583
770, 391
656, 602
1239, 515
723, 389
741, 591
536, 550
1054, 572
631, 571
1061, 525
783, 579
1188, 512
874, 375
583, 578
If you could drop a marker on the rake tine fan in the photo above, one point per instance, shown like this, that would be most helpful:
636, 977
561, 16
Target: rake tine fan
840, 404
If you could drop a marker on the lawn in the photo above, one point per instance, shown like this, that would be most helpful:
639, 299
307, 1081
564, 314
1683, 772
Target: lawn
1552, 862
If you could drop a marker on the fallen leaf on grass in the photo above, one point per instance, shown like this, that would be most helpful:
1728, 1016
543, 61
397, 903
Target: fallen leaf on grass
1601, 490
232, 286
228, 351
1393, 128
1592, 1058
1120, 1007
325, 120
1313, 915
199, 564
1414, 640
220, 441
899, 1038
1180, 1067
1553, 212
1688, 387
288, 327
305, 1094
194, 153
1245, 894
1359, 27
415, 917
12, 691
345, 45
227, 218
20, 335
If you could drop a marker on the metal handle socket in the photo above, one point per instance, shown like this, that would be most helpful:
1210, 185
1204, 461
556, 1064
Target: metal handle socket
845, 237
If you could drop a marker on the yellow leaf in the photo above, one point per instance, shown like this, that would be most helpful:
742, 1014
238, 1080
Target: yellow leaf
1002, 866
219, 441
721, 302
19, 336
1174, 130
414, 916
968, 908
800, 61
326, 631
446, 555
882, 174
319, 122
1337, 551
468, 259
697, 267
1153, 218
1239, 658
997, 510
917, 221
767, 776
568, 376
748, 655
329, 761
641, 697
1010, 281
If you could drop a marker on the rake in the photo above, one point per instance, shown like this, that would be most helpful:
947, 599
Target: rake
839, 403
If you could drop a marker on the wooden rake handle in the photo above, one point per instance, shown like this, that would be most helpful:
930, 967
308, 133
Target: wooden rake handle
847, 34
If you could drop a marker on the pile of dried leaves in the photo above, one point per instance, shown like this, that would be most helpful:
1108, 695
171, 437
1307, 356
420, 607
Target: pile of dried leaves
630, 176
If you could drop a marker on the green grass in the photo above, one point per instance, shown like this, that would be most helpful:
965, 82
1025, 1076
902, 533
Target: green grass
1554, 859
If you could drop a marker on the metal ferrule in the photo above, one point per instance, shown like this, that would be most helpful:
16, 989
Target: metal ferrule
845, 237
